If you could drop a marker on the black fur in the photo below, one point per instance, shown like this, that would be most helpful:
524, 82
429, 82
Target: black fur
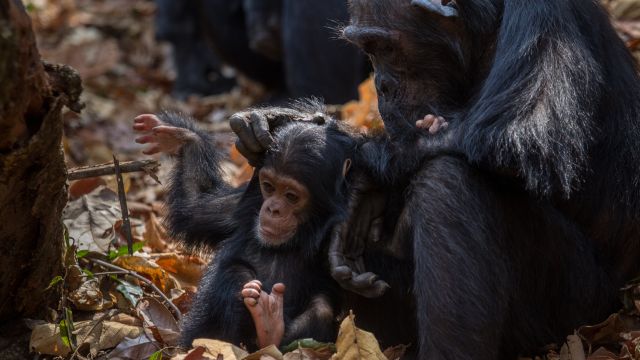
524, 214
304, 58
204, 211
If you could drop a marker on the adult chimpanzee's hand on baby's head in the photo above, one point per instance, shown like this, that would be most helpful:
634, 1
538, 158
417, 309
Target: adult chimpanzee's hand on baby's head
254, 128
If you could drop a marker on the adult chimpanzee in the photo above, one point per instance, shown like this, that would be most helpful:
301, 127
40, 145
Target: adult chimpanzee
271, 233
198, 70
289, 45
523, 213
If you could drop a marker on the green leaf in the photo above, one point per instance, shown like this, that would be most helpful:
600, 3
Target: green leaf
308, 343
54, 282
81, 253
137, 246
124, 250
156, 355
88, 273
64, 333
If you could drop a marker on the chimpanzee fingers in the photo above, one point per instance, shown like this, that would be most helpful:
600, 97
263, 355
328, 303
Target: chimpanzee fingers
145, 139
260, 128
146, 122
253, 284
426, 122
252, 157
377, 289
434, 128
152, 150
363, 280
250, 293
367, 285
243, 129
278, 289
250, 302
443, 123
376, 230
341, 273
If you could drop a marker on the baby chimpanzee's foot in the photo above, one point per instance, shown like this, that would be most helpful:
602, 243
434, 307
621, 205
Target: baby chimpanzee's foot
432, 123
266, 311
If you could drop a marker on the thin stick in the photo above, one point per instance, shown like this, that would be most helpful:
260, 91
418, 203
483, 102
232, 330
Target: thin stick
122, 196
141, 278
148, 166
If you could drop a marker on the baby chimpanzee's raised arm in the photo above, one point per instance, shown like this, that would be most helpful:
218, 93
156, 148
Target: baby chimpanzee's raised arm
200, 204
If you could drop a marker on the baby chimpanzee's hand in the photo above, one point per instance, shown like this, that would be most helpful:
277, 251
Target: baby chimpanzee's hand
432, 123
267, 311
161, 137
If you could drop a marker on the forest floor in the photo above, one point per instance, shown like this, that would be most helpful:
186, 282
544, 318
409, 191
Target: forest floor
108, 310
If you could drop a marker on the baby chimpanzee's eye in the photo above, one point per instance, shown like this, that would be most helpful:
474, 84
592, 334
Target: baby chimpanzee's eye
292, 198
267, 187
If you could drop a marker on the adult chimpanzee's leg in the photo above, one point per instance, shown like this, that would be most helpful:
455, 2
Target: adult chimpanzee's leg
497, 272
197, 67
461, 272
317, 63
224, 24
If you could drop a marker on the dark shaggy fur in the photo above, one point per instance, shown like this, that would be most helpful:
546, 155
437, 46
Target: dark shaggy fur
524, 214
203, 211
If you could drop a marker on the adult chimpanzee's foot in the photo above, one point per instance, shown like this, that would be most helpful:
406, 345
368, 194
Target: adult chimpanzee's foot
266, 311
432, 123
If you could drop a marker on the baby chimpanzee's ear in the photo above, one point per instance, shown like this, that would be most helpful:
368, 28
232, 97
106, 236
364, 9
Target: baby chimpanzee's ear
345, 167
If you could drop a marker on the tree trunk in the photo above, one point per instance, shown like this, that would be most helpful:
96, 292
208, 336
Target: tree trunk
33, 188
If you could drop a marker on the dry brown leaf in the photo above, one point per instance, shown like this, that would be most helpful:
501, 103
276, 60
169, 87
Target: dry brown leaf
572, 349
158, 321
604, 354
307, 354
216, 347
126, 319
268, 353
84, 186
187, 268
155, 234
356, 344
149, 270
99, 335
91, 219
184, 300
141, 347
88, 297
626, 9
395, 352
363, 114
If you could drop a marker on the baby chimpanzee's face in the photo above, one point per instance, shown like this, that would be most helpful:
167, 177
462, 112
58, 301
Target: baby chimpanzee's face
284, 207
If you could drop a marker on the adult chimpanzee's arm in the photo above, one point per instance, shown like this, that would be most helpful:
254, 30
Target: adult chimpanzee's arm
534, 113
200, 204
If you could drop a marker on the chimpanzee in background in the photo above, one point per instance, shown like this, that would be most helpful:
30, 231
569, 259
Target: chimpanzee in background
290, 46
523, 213
198, 70
272, 233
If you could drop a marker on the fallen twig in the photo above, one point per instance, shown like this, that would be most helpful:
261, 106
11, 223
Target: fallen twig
122, 196
143, 279
148, 166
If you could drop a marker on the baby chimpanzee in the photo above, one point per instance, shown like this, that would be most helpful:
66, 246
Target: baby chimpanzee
271, 233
